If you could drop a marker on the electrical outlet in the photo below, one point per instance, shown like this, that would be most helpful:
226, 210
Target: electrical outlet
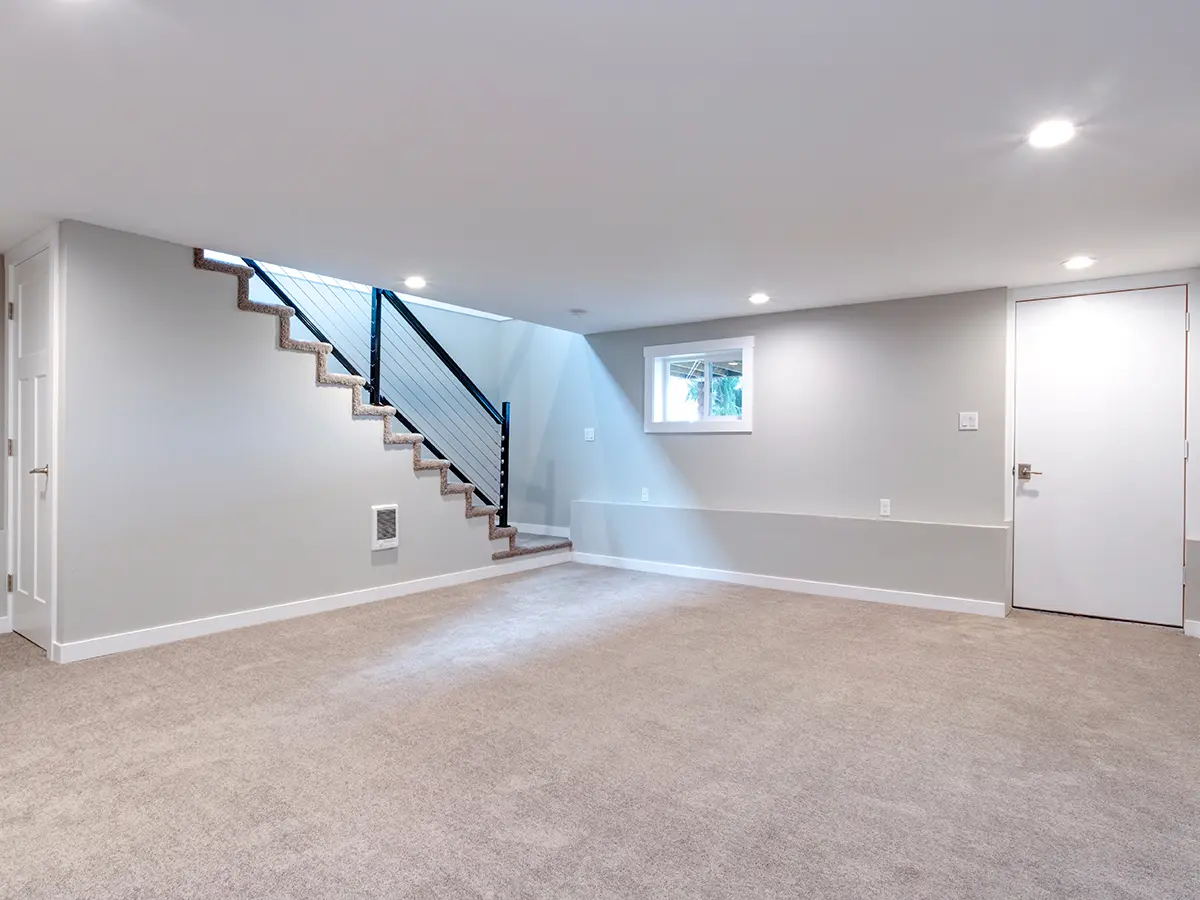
885, 507
589, 434
645, 495
968, 421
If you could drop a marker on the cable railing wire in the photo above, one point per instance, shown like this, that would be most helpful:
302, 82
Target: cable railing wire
408, 348
429, 386
457, 403
415, 388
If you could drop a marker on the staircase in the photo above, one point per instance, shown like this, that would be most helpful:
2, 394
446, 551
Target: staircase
459, 426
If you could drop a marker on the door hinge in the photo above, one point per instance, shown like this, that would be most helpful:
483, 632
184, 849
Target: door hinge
10, 447
10, 584
1186, 448
1187, 321
11, 312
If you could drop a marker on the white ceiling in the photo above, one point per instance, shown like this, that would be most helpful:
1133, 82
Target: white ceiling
650, 161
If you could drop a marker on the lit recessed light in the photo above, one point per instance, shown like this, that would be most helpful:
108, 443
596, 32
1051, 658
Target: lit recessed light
758, 299
1053, 133
1079, 262
414, 282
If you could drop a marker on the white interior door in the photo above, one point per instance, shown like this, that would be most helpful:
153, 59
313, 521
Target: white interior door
1100, 420
32, 478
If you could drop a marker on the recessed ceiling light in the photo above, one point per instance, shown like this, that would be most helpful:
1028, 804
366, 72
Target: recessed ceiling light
1079, 262
758, 299
414, 282
1053, 133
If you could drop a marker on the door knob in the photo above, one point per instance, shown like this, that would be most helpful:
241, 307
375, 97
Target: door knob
42, 470
1025, 471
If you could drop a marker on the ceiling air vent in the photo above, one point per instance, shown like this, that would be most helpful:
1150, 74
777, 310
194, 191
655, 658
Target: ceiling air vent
384, 534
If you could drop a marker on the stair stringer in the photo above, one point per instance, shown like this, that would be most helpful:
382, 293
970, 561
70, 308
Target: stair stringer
361, 409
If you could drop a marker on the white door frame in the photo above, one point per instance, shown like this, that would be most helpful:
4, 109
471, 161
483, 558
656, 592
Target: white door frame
46, 240
1184, 278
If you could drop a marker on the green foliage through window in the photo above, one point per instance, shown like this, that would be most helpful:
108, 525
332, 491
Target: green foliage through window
726, 392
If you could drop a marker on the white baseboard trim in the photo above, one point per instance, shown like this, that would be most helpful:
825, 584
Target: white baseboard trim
5, 625
549, 530
1191, 627
74, 651
996, 608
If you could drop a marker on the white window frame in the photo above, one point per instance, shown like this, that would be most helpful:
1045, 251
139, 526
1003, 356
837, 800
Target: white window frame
657, 358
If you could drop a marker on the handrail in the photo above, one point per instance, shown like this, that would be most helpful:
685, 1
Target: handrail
373, 387
447, 360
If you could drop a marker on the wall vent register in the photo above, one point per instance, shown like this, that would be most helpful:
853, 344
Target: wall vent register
384, 533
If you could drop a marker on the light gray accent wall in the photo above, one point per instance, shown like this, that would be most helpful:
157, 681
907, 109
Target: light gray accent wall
556, 387
1191, 593
967, 561
853, 404
202, 470
473, 342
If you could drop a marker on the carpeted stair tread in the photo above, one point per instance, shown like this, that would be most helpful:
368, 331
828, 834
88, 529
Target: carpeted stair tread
531, 548
430, 464
287, 342
392, 437
358, 408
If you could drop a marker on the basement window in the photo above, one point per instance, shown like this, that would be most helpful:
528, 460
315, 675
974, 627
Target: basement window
704, 386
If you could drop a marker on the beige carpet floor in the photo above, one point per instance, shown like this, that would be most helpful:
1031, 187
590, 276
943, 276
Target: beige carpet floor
587, 733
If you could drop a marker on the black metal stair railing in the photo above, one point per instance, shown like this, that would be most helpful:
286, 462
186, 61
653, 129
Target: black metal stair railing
418, 375
377, 337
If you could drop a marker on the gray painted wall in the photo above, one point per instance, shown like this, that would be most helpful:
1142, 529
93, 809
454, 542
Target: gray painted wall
202, 470
852, 404
472, 341
966, 561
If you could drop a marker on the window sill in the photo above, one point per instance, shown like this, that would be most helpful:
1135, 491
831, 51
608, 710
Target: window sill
739, 426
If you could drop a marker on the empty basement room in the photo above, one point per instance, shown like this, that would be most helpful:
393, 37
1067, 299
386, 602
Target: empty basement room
599, 450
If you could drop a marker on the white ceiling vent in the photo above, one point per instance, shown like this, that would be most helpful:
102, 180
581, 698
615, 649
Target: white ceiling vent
384, 533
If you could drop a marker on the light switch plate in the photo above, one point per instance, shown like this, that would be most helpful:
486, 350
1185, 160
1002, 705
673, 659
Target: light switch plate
968, 421
885, 507
589, 434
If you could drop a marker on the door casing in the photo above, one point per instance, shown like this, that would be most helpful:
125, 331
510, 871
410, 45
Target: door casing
46, 240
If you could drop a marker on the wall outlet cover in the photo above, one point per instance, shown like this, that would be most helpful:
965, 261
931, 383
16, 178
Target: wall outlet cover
645, 495
885, 507
968, 421
589, 434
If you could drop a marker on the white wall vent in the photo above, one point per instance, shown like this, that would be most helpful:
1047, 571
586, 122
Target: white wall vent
384, 531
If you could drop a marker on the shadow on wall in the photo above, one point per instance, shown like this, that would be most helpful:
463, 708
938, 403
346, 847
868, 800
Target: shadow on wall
533, 484
541, 493
631, 459
558, 387
517, 356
